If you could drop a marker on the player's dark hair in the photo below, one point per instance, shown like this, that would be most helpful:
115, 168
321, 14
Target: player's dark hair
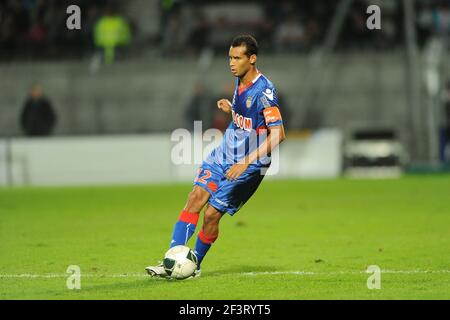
248, 41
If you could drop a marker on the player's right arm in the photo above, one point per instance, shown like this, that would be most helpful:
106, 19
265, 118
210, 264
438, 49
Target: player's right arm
224, 105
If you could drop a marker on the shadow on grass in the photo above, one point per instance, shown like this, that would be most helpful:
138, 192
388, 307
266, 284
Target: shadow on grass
146, 283
143, 283
101, 291
113, 287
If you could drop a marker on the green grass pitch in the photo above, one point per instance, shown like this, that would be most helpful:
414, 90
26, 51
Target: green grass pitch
292, 240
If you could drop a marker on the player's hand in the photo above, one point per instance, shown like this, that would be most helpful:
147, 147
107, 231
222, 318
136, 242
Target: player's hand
225, 105
236, 170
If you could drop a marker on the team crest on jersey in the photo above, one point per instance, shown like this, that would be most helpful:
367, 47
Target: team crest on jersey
248, 103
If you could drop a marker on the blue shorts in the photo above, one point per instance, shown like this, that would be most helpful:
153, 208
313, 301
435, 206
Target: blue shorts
228, 196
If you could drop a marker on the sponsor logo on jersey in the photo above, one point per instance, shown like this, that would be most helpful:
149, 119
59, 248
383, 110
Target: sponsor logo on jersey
241, 121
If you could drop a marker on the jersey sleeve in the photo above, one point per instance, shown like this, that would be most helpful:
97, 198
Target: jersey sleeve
268, 105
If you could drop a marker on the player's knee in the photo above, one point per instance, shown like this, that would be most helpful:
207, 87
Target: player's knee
212, 217
197, 199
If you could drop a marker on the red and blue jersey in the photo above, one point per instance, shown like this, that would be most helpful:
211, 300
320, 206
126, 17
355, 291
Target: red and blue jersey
254, 109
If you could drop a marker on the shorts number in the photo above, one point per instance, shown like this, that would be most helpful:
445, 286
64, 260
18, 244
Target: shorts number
205, 177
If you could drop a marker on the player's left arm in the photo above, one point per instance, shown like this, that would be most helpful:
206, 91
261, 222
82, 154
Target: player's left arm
275, 136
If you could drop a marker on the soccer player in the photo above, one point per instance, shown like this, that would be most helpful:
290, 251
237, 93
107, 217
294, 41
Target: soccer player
233, 171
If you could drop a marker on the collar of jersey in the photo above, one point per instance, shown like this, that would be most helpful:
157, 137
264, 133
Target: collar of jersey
240, 90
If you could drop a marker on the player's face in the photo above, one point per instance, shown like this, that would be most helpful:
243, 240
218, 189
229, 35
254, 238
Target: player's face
240, 64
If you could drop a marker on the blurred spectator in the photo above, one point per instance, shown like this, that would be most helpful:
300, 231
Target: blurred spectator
21, 18
37, 37
199, 107
199, 34
37, 28
355, 33
38, 117
391, 33
447, 109
174, 36
14, 26
7, 36
445, 131
111, 31
221, 120
89, 22
290, 35
447, 112
285, 110
167, 8
441, 18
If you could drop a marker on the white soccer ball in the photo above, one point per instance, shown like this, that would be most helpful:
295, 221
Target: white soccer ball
180, 262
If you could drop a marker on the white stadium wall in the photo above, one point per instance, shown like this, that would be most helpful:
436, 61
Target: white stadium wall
3, 164
146, 159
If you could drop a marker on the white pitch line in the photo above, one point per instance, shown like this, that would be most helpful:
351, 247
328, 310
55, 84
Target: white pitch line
307, 273
66, 275
268, 273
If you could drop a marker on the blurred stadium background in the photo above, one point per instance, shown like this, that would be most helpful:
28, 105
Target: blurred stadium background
356, 102
96, 110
